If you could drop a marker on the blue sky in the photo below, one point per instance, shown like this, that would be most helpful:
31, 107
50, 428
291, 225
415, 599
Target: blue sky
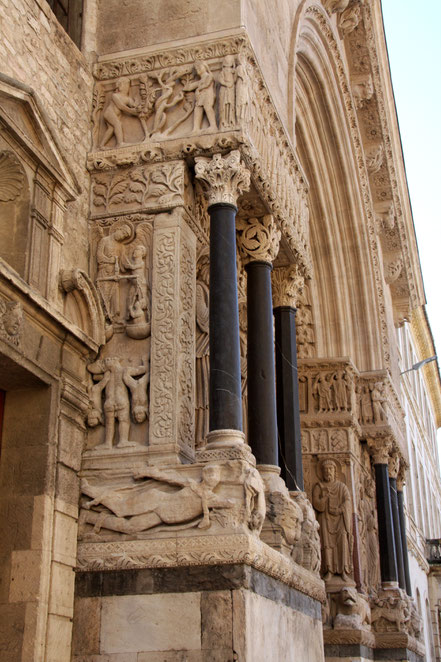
414, 46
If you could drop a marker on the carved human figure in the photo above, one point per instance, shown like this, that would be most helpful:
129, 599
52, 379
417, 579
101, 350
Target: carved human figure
204, 97
378, 400
202, 349
108, 256
332, 501
120, 102
242, 91
137, 299
340, 390
307, 551
165, 101
116, 404
367, 413
243, 364
95, 411
227, 93
323, 387
138, 392
371, 536
141, 507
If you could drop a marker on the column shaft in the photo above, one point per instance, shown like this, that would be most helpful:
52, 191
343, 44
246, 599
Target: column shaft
400, 498
388, 560
287, 391
397, 532
262, 421
225, 379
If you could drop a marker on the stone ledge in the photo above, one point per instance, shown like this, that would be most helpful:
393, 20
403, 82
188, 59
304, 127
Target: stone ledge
351, 651
145, 581
226, 550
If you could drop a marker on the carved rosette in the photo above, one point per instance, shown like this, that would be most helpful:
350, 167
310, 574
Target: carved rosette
287, 286
380, 448
259, 239
223, 178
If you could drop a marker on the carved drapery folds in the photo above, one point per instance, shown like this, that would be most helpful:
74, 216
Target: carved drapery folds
287, 286
223, 178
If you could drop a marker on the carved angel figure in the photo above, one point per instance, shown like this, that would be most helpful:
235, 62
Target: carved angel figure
114, 379
332, 501
138, 508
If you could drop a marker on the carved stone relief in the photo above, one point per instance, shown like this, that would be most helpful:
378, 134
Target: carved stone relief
221, 496
287, 286
305, 334
147, 187
306, 551
202, 346
332, 502
11, 177
11, 321
123, 274
223, 178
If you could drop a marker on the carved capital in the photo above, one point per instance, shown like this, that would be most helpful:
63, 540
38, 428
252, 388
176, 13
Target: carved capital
380, 448
401, 477
223, 178
287, 284
259, 239
394, 465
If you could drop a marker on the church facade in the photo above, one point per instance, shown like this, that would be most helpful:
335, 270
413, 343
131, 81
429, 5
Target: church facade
217, 442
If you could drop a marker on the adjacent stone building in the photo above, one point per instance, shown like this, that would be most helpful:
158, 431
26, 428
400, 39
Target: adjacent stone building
216, 442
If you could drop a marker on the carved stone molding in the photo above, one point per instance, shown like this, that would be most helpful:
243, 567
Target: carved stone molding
380, 449
224, 178
350, 17
258, 239
393, 268
335, 6
11, 176
362, 89
11, 321
287, 285
78, 283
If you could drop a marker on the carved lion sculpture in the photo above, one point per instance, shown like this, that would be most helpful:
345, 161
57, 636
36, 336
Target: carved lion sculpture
353, 611
390, 614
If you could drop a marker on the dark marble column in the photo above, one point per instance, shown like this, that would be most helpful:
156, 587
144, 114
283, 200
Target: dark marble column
259, 243
287, 285
402, 517
262, 419
223, 178
397, 532
386, 535
225, 376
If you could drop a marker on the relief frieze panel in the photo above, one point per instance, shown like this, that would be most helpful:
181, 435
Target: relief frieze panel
187, 103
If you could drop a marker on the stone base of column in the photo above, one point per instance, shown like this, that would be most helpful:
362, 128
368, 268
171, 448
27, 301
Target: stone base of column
224, 439
225, 445
200, 614
389, 586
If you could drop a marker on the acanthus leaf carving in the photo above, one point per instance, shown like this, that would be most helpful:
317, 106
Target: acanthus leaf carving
287, 285
224, 178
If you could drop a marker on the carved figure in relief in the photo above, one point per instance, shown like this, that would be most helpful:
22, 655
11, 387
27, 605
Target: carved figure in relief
138, 391
138, 300
116, 381
165, 101
242, 91
243, 364
367, 414
371, 535
202, 348
226, 93
120, 102
332, 501
323, 387
378, 402
341, 391
307, 551
11, 319
141, 507
204, 97
108, 256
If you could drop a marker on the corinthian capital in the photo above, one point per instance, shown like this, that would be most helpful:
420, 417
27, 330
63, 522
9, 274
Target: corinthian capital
394, 465
401, 478
259, 239
380, 448
224, 178
287, 285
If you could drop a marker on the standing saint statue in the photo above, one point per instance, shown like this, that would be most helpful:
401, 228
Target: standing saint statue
332, 501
